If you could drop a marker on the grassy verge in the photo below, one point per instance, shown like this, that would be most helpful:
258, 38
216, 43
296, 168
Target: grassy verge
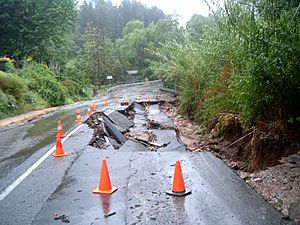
35, 87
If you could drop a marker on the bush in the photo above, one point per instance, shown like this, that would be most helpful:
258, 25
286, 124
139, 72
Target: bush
8, 105
43, 81
248, 64
12, 85
73, 88
32, 101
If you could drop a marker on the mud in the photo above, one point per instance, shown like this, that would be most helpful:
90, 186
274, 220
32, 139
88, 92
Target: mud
26, 117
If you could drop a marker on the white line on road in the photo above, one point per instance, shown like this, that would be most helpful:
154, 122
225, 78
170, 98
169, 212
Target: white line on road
34, 166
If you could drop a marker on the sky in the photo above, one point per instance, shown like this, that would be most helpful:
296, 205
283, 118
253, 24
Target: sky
184, 8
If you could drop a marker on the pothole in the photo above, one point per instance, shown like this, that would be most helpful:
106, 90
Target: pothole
116, 126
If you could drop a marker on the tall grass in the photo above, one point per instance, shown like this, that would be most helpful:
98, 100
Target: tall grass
246, 63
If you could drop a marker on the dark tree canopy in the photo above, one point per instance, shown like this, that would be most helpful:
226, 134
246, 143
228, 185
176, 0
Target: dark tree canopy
33, 28
112, 19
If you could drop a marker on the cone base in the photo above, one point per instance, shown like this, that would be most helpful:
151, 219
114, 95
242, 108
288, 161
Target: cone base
77, 121
179, 194
98, 191
59, 155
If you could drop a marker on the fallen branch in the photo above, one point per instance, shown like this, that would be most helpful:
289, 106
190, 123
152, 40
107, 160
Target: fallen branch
237, 140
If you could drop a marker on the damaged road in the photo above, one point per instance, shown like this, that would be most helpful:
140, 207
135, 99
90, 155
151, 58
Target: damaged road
140, 145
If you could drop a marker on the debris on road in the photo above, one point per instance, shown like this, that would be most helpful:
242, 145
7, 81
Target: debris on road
279, 184
145, 135
63, 218
113, 127
114, 131
110, 214
120, 120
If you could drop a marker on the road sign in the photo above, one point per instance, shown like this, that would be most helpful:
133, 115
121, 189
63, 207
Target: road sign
109, 77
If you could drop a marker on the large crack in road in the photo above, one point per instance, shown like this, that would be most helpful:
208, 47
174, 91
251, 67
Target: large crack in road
153, 130
140, 145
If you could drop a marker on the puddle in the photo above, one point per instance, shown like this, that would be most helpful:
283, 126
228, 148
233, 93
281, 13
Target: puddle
18, 143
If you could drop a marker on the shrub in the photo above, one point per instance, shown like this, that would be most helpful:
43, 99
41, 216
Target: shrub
11, 84
248, 63
43, 81
73, 88
8, 105
32, 101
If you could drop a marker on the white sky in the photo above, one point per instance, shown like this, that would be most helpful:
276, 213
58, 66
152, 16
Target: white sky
184, 8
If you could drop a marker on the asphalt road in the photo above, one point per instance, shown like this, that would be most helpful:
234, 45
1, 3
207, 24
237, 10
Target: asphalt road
64, 186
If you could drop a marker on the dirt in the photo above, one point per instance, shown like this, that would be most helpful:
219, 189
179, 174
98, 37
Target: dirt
280, 185
276, 179
29, 116
26, 117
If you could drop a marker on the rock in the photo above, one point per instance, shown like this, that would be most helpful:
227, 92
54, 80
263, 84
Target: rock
242, 165
294, 159
294, 211
215, 149
258, 179
244, 175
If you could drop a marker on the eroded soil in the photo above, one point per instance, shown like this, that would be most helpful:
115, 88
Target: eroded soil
279, 184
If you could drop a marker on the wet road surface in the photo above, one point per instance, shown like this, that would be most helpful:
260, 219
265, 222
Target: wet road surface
64, 186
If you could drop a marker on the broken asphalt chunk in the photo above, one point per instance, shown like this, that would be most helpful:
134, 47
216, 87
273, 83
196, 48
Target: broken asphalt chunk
119, 119
113, 130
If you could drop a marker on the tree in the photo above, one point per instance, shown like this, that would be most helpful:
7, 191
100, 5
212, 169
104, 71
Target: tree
34, 28
100, 54
198, 25
111, 19
131, 47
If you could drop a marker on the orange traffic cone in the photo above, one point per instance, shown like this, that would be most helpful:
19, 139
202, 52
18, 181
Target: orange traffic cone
59, 151
148, 99
106, 103
60, 131
126, 100
104, 185
93, 107
78, 116
178, 188
89, 111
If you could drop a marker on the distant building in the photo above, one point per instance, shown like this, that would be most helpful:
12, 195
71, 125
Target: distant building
132, 75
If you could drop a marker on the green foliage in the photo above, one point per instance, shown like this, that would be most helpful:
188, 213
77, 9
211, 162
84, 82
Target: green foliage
131, 47
111, 19
266, 87
32, 101
245, 61
12, 85
131, 26
101, 56
138, 45
73, 89
8, 105
34, 28
74, 70
44, 82
198, 26
10, 68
